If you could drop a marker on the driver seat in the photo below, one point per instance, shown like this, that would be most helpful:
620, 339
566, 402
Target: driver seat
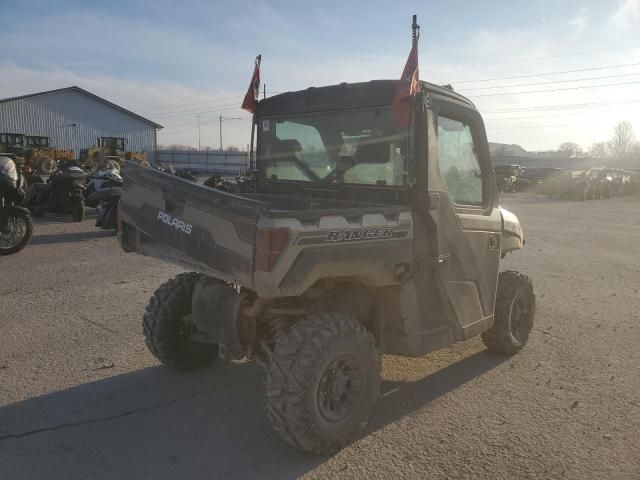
372, 150
285, 149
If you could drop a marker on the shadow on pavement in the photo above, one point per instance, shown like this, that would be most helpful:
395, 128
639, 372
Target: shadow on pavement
155, 423
70, 237
58, 218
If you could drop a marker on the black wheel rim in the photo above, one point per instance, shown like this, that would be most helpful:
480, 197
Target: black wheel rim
12, 233
519, 318
341, 388
185, 330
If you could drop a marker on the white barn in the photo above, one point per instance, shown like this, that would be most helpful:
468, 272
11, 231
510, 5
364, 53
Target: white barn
74, 118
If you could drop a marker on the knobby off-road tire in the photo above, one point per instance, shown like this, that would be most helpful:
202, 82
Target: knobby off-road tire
513, 316
77, 210
165, 332
323, 383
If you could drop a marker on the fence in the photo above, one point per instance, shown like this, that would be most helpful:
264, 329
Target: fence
583, 163
224, 163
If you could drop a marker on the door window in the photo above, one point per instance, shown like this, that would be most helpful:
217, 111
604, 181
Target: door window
458, 162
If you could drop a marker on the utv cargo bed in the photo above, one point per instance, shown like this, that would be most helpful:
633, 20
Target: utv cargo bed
208, 229
215, 232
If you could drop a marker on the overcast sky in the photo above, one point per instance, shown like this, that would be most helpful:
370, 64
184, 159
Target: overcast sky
172, 61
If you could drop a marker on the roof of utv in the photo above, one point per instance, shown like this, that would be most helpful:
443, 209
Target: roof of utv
376, 93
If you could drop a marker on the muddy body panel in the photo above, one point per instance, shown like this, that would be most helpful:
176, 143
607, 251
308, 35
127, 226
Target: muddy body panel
188, 224
215, 233
372, 249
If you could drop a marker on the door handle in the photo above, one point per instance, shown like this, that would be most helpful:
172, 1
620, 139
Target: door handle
494, 242
434, 200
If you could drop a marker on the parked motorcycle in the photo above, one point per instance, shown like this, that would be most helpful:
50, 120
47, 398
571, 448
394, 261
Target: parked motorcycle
103, 193
186, 174
30, 175
100, 180
242, 185
108, 207
245, 184
216, 181
16, 225
63, 193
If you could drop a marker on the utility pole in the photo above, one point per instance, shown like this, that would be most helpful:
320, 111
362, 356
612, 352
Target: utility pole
198, 132
264, 90
221, 119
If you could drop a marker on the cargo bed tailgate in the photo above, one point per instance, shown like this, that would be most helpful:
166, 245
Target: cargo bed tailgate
190, 224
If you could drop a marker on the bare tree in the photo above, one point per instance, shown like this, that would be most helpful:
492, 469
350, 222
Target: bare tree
570, 149
599, 150
622, 139
176, 147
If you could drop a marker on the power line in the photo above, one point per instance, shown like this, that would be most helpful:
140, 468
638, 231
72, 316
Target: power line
568, 106
548, 73
527, 59
229, 106
171, 106
175, 132
515, 60
168, 106
543, 116
583, 79
543, 126
556, 89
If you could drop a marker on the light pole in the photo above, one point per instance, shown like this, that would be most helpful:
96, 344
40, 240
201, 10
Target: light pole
198, 132
221, 119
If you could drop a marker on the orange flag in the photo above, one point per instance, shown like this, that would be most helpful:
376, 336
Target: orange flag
250, 102
408, 86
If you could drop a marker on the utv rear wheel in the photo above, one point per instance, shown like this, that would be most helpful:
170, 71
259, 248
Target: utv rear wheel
167, 332
513, 316
323, 383
77, 210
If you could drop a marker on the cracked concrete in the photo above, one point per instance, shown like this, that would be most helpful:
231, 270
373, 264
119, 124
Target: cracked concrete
103, 419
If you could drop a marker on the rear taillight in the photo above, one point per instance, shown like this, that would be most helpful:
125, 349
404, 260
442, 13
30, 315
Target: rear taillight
269, 245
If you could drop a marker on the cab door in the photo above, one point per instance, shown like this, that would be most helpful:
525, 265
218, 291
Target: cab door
462, 208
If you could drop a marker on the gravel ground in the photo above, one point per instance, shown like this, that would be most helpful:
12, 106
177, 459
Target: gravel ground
80, 396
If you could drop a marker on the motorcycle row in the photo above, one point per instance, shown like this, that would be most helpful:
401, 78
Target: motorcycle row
68, 190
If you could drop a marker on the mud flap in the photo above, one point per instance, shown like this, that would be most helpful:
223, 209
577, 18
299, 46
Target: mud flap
215, 308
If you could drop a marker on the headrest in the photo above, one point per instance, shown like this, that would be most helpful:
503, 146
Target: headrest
287, 146
372, 151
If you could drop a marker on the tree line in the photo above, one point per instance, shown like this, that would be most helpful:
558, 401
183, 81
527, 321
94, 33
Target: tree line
621, 146
178, 147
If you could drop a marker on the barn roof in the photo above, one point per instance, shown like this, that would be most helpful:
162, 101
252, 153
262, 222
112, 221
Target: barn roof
88, 94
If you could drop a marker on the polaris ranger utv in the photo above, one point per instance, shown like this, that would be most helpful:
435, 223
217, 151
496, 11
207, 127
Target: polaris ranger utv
360, 239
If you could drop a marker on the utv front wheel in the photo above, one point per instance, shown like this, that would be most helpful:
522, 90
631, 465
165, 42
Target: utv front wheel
513, 316
323, 383
166, 330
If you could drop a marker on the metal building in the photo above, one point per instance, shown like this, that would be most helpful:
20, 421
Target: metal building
74, 118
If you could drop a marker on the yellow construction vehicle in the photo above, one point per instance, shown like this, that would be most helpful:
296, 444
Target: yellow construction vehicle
109, 148
34, 151
42, 156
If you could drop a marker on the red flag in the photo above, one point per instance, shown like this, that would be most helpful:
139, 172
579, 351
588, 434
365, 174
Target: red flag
408, 86
250, 102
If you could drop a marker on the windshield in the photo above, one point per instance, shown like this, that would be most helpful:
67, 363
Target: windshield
356, 147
